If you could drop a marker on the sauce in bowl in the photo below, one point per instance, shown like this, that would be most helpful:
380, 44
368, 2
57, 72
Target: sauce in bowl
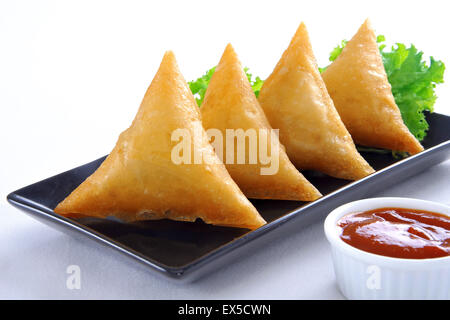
398, 232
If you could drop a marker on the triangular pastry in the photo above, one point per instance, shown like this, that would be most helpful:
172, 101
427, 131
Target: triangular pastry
231, 104
139, 180
295, 100
358, 84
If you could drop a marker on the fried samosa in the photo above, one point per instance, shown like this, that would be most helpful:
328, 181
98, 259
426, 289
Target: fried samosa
359, 87
295, 100
140, 180
230, 104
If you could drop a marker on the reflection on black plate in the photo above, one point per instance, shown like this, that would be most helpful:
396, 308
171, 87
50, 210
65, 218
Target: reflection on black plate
183, 250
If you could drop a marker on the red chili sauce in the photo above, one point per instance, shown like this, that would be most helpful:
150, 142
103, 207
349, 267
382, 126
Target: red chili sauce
398, 232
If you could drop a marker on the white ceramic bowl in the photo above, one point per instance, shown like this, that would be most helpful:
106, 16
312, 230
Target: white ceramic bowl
364, 275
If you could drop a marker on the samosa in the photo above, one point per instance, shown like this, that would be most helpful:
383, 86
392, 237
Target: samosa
295, 100
358, 84
140, 180
230, 104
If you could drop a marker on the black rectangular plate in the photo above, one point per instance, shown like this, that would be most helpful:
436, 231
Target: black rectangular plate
184, 250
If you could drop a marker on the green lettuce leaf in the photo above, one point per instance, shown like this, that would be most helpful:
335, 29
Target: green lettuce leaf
255, 83
413, 83
199, 86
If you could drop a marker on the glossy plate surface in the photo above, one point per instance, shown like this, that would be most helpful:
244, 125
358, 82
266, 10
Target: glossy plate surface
185, 251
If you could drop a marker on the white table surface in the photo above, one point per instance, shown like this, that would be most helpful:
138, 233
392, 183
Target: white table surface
72, 76
296, 266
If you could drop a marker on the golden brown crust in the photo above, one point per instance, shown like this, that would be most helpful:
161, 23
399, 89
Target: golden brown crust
139, 180
296, 101
231, 104
359, 87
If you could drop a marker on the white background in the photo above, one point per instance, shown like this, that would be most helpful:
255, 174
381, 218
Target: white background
72, 74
